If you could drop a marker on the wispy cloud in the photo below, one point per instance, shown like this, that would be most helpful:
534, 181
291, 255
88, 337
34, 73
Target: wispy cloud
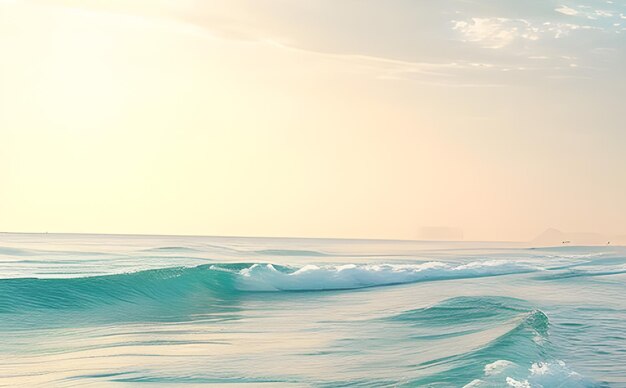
500, 32
565, 10
495, 32
499, 49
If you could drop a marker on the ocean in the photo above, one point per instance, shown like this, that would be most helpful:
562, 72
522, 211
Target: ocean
113, 310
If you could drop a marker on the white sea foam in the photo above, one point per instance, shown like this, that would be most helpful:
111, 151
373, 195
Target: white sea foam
497, 367
549, 374
266, 277
511, 382
539, 375
474, 383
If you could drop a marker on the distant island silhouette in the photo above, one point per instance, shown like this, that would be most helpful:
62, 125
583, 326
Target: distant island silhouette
554, 237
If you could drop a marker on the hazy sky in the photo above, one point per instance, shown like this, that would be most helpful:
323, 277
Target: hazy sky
313, 118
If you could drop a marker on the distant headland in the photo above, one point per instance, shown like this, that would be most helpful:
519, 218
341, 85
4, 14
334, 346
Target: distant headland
553, 237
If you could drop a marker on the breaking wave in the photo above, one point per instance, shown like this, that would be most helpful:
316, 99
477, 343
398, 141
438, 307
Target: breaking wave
268, 277
224, 281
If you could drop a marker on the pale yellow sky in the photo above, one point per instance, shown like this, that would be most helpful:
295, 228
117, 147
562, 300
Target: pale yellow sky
323, 119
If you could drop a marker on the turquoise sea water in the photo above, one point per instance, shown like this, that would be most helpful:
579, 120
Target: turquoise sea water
117, 310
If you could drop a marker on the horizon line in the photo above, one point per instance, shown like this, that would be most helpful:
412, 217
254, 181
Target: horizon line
262, 237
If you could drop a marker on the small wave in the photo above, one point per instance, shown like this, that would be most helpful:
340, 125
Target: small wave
171, 249
578, 273
520, 357
463, 310
8, 251
290, 252
554, 373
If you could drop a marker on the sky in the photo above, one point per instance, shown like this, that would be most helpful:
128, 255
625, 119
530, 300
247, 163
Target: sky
481, 120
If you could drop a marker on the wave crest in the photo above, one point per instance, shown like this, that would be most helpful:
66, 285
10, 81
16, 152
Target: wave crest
267, 277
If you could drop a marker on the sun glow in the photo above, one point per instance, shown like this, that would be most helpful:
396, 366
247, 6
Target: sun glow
218, 118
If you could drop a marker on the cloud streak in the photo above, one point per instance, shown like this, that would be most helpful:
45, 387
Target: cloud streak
495, 32
565, 10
